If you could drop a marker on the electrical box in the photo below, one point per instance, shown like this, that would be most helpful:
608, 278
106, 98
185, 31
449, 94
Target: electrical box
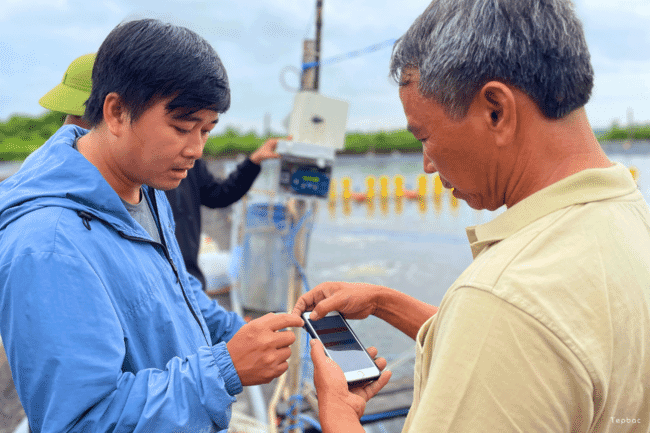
319, 120
305, 169
317, 129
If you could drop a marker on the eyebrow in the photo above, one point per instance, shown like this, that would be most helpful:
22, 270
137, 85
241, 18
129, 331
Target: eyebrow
191, 118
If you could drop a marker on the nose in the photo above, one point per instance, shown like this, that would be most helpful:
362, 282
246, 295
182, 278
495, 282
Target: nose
428, 165
194, 146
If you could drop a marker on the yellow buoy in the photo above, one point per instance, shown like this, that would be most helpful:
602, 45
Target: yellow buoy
332, 194
399, 186
453, 201
437, 186
422, 185
370, 187
383, 186
347, 182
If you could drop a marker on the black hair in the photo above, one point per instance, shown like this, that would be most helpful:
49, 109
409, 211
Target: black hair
146, 60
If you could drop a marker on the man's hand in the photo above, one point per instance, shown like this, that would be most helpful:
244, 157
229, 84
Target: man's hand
339, 407
266, 151
359, 300
259, 352
353, 300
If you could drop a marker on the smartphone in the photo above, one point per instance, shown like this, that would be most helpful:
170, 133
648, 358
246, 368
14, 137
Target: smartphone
342, 345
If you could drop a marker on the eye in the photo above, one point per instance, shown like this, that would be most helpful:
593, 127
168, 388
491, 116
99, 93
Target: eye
181, 130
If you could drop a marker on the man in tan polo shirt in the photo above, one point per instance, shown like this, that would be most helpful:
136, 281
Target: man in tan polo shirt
548, 330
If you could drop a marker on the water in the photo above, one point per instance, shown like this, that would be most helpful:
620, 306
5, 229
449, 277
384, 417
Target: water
417, 251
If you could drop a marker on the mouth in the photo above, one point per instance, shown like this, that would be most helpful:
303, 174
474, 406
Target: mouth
446, 183
181, 172
182, 168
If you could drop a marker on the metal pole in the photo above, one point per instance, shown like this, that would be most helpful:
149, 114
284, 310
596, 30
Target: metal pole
296, 209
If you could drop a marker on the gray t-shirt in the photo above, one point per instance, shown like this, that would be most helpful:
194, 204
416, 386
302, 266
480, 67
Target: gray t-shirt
141, 212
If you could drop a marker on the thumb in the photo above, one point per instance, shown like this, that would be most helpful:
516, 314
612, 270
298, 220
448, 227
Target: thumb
321, 361
318, 356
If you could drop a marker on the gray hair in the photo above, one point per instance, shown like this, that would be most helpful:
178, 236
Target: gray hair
537, 46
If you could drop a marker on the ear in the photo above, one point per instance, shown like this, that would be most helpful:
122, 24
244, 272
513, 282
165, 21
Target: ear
115, 115
498, 105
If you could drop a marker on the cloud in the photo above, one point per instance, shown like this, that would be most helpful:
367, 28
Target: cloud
259, 41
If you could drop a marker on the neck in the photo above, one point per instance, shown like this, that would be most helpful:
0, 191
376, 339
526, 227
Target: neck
96, 147
551, 150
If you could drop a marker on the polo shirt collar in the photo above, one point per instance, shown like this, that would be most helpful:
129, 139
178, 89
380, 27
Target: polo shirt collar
586, 186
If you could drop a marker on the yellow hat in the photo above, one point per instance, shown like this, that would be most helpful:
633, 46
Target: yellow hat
70, 95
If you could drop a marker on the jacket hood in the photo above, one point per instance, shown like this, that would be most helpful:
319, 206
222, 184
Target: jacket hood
58, 175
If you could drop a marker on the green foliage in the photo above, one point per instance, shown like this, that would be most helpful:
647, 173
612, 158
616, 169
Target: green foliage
381, 142
21, 135
636, 132
231, 143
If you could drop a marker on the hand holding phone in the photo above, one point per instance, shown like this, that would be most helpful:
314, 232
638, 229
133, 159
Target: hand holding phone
343, 346
261, 348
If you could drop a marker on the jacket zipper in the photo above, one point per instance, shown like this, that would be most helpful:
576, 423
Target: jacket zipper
178, 278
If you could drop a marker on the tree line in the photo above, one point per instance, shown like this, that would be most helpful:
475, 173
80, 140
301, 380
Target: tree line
21, 135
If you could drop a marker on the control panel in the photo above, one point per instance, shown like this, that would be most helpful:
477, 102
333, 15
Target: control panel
305, 169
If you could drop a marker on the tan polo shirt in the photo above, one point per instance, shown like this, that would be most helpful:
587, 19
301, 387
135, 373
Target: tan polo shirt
548, 330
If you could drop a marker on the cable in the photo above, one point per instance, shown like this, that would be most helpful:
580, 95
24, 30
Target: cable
290, 243
351, 54
384, 415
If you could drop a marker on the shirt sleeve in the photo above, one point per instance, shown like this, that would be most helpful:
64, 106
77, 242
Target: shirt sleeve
66, 348
217, 193
493, 367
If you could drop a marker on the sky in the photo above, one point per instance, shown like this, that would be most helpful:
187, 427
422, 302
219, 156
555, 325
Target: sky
260, 43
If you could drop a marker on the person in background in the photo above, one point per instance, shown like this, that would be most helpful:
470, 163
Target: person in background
548, 330
198, 188
104, 328
70, 95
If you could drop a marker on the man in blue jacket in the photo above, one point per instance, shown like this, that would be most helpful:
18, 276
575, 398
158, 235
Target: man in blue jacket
103, 327
198, 189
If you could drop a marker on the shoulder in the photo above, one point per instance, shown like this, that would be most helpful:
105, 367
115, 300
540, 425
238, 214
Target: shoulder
563, 271
50, 229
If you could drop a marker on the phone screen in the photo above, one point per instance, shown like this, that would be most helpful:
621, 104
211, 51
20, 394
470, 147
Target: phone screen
341, 343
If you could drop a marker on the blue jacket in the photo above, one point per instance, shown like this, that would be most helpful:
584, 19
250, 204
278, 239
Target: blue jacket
104, 328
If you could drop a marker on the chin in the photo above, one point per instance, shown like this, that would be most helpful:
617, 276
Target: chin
166, 186
474, 202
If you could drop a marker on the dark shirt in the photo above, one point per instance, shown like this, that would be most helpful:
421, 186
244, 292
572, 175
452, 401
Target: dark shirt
201, 188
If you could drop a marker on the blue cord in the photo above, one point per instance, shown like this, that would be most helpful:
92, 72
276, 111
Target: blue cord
294, 422
384, 415
290, 244
351, 54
